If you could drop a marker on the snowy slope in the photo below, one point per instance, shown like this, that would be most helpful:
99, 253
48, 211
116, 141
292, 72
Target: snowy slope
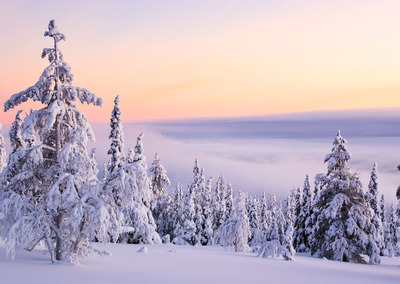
185, 264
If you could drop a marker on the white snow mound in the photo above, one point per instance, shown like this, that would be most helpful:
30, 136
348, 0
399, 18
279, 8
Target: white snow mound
143, 250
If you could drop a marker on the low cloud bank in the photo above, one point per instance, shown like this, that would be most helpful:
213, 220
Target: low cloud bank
260, 154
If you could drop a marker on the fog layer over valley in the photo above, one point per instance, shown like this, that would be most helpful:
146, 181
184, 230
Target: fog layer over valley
272, 152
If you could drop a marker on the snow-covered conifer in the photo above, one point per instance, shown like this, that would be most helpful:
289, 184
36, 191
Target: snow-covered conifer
219, 207
161, 202
343, 229
16, 141
3, 154
207, 233
254, 220
137, 207
159, 179
393, 233
228, 201
273, 228
177, 217
188, 229
302, 232
52, 188
116, 136
288, 251
372, 198
236, 230
265, 217
382, 206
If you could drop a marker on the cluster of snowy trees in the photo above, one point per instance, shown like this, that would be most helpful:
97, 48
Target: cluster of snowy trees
336, 220
50, 192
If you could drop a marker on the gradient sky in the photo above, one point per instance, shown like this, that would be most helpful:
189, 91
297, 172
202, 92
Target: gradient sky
210, 58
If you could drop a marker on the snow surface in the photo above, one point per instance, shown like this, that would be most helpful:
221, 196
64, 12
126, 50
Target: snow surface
187, 264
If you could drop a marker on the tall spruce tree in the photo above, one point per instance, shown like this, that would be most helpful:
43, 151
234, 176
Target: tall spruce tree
343, 228
287, 241
372, 197
16, 141
116, 151
393, 233
236, 230
159, 179
137, 214
301, 232
52, 190
219, 207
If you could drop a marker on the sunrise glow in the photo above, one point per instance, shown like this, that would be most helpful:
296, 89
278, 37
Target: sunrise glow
169, 59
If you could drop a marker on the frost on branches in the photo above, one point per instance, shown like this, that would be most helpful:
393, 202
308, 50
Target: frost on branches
236, 230
51, 191
136, 206
343, 229
116, 150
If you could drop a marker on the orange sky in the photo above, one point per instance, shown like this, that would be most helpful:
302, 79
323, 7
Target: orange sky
178, 59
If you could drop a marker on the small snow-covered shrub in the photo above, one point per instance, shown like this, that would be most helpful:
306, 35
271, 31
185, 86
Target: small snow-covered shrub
270, 249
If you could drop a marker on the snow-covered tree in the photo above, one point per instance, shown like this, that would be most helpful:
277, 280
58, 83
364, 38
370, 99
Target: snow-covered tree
236, 230
3, 154
177, 217
265, 218
393, 233
302, 232
219, 207
207, 233
273, 228
16, 141
137, 214
187, 233
52, 192
372, 197
159, 179
160, 205
288, 250
116, 151
382, 206
228, 201
343, 229
254, 220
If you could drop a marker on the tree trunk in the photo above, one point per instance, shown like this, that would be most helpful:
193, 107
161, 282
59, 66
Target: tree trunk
58, 249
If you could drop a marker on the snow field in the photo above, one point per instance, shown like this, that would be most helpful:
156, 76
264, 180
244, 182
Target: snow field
187, 264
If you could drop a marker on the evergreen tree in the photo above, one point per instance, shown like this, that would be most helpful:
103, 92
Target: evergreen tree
228, 201
177, 218
3, 154
207, 233
159, 179
343, 230
137, 210
274, 225
116, 136
219, 207
254, 219
16, 141
372, 198
288, 251
161, 202
382, 206
393, 233
188, 230
52, 188
301, 233
265, 217
236, 230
